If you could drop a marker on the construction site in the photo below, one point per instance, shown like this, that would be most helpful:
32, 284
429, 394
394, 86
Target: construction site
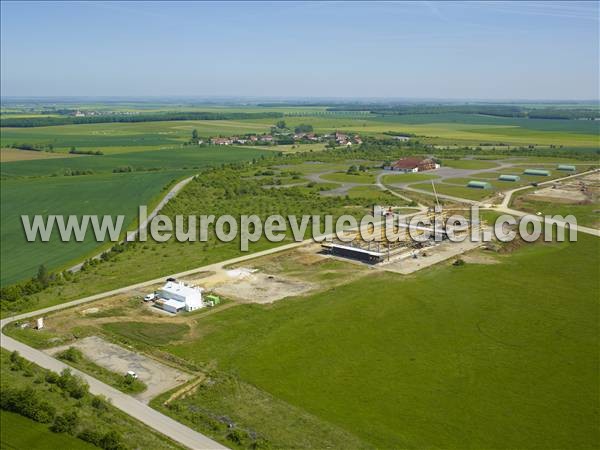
397, 238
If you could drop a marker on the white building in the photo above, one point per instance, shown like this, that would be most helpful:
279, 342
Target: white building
178, 296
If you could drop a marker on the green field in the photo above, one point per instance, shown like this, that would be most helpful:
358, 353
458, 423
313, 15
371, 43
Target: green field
407, 178
342, 177
181, 158
481, 356
20, 433
102, 192
456, 191
112, 194
159, 334
470, 164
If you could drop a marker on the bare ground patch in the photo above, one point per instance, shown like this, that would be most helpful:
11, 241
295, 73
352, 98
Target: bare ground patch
157, 376
262, 288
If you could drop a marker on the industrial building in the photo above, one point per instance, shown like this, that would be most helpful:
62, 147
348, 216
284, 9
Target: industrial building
479, 184
537, 172
567, 168
509, 178
175, 296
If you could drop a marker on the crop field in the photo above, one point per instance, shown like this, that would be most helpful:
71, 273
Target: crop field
19, 432
12, 154
94, 194
181, 158
104, 136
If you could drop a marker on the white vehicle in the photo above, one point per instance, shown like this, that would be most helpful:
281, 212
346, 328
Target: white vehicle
132, 374
149, 297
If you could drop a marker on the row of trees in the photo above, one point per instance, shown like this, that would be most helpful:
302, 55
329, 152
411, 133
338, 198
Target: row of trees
27, 122
31, 403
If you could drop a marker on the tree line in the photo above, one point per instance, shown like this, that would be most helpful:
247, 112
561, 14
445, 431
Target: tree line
29, 122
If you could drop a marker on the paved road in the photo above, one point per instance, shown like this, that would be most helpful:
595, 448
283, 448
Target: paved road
142, 412
131, 234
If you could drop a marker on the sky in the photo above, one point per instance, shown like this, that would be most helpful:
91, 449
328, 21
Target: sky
428, 50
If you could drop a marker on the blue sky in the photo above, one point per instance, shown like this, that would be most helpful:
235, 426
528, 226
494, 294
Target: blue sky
462, 50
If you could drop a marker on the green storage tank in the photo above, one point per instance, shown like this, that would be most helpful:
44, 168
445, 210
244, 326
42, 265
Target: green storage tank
567, 168
479, 185
509, 177
213, 298
537, 172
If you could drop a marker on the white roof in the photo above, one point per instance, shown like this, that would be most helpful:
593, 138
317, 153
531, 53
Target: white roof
179, 288
174, 304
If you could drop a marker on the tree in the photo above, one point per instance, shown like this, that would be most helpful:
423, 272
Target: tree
303, 128
195, 135
65, 423
280, 124
42, 276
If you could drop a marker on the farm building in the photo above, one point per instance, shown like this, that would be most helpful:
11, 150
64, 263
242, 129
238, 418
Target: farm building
566, 168
537, 172
413, 165
509, 177
479, 184
175, 296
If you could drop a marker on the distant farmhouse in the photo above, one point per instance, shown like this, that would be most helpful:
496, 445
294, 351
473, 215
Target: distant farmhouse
408, 165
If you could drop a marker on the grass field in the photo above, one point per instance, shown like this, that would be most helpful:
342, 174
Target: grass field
112, 194
20, 433
157, 335
342, 177
456, 191
470, 164
481, 356
407, 178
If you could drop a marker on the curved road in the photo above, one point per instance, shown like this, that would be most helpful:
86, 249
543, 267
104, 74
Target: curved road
131, 234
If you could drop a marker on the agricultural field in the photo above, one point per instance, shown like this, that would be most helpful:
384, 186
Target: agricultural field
111, 194
20, 432
13, 154
153, 160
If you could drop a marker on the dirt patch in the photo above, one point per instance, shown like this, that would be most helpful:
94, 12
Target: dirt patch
557, 195
13, 154
157, 376
262, 288
573, 191
479, 258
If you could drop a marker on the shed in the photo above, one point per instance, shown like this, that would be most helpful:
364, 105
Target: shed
537, 172
479, 184
567, 168
507, 177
